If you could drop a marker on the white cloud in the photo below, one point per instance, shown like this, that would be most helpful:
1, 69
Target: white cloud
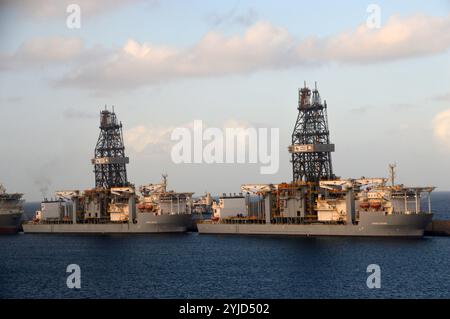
262, 46
43, 51
143, 137
441, 124
156, 139
234, 123
137, 64
400, 37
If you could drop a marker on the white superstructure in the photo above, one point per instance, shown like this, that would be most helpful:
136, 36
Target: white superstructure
230, 206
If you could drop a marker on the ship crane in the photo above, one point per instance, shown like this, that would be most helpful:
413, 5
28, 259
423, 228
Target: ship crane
261, 190
151, 189
258, 189
127, 192
377, 181
155, 188
121, 191
67, 195
70, 196
348, 184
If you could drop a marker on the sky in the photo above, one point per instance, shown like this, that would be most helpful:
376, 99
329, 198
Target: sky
164, 64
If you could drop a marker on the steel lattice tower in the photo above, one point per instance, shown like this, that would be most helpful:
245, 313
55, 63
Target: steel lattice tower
110, 160
311, 148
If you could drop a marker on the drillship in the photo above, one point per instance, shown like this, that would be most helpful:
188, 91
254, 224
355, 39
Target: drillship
316, 202
11, 211
114, 205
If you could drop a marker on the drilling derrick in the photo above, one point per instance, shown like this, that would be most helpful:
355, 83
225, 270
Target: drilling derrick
110, 160
311, 148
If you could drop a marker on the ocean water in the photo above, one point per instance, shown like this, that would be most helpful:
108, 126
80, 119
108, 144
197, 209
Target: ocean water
209, 266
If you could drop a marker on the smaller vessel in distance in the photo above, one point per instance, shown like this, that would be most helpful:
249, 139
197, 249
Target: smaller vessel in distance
11, 211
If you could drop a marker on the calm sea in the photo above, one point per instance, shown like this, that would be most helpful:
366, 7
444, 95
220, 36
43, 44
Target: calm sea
207, 266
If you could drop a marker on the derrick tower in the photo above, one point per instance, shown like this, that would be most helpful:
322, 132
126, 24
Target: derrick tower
109, 158
311, 148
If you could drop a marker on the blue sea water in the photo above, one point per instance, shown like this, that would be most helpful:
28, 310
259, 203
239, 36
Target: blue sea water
208, 266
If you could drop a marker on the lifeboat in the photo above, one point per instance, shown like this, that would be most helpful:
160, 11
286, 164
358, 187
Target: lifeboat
364, 205
141, 206
375, 205
283, 186
148, 206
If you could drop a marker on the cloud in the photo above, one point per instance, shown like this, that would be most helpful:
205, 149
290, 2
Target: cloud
247, 18
234, 123
12, 99
262, 46
234, 17
360, 109
403, 106
441, 125
73, 113
137, 64
413, 36
152, 138
156, 139
57, 8
42, 52
442, 98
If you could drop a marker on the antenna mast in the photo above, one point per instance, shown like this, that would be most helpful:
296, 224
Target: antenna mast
392, 173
